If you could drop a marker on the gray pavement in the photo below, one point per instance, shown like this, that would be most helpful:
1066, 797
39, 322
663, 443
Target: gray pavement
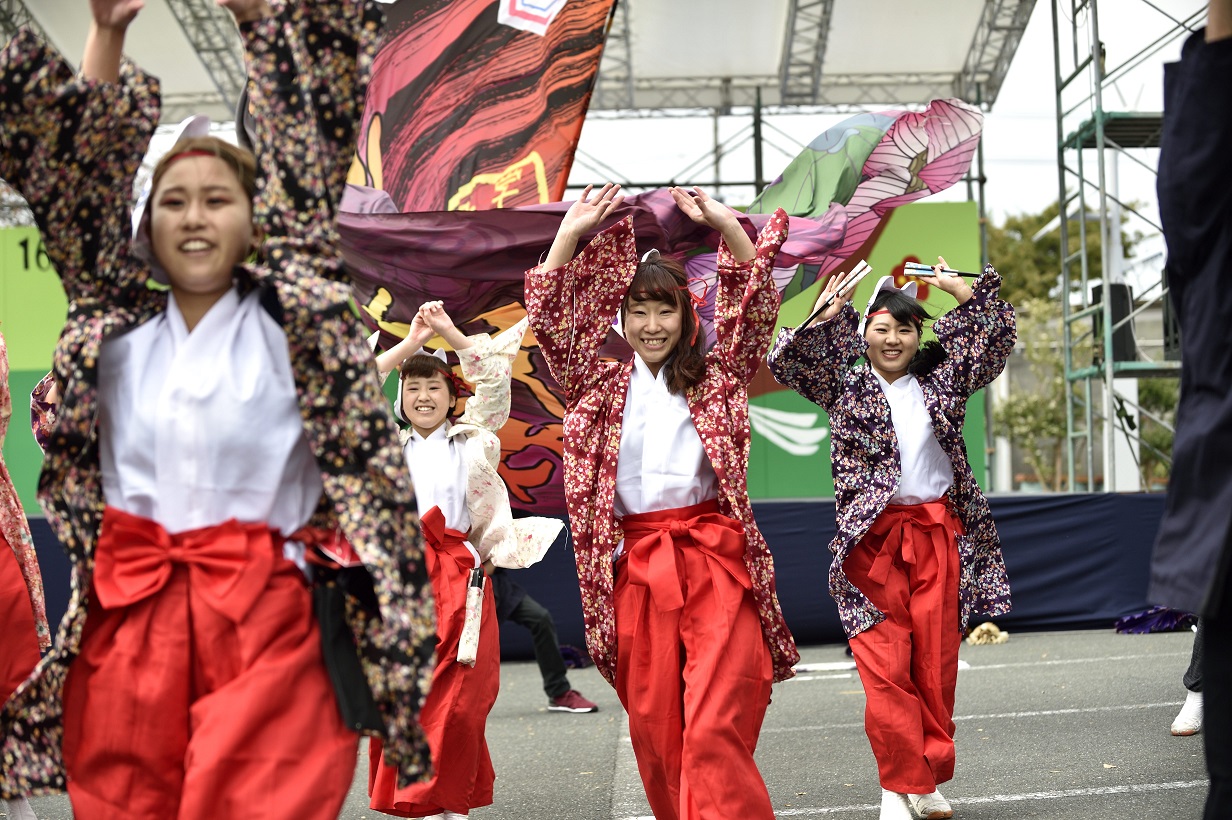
1058, 725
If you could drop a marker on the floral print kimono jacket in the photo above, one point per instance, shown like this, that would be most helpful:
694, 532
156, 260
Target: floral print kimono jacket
571, 310
816, 362
72, 146
13, 524
512, 543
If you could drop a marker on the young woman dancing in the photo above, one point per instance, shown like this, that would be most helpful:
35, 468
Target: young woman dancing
677, 581
205, 432
467, 522
916, 551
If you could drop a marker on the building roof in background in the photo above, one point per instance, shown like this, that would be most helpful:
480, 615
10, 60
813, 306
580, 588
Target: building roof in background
661, 55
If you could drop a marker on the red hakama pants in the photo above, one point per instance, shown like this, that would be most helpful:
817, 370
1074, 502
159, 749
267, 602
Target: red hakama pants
19, 648
455, 713
907, 566
693, 670
200, 690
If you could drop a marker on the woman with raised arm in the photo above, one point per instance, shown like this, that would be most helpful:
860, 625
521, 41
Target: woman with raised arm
210, 433
677, 581
468, 525
916, 551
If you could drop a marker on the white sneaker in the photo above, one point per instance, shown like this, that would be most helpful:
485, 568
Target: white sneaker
894, 806
930, 806
1189, 719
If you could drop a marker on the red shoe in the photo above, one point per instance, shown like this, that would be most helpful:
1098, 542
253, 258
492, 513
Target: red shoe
572, 701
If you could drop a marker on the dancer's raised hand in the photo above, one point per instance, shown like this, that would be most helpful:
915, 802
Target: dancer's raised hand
246, 11
115, 14
587, 212
948, 282
583, 216
833, 285
698, 206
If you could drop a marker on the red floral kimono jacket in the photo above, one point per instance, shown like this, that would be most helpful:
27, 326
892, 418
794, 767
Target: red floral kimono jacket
571, 310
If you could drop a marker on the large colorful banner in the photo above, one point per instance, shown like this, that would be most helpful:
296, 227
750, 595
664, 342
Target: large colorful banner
474, 261
478, 104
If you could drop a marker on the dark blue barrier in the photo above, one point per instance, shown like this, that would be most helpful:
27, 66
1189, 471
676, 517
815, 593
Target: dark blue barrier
1075, 561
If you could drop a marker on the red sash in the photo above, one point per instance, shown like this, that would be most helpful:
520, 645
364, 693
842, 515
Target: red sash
444, 540
898, 527
651, 540
229, 564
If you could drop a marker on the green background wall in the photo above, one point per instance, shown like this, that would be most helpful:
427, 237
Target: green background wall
32, 310
918, 232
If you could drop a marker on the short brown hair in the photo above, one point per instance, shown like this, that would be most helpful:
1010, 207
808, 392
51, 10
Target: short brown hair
422, 366
662, 279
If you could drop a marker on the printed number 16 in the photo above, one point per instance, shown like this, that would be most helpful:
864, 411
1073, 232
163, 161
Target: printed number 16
40, 255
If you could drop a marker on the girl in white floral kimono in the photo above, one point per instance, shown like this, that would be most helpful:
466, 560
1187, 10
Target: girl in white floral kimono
464, 509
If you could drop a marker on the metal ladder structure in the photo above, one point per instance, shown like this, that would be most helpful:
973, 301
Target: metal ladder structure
1101, 394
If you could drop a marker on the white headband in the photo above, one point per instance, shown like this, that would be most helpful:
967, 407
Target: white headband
885, 283
197, 125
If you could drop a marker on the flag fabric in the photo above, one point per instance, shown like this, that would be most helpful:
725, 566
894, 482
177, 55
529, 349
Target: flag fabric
474, 261
478, 104
471, 123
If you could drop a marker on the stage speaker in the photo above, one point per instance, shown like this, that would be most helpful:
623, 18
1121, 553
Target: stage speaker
1124, 348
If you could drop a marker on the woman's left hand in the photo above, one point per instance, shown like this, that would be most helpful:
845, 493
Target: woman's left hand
434, 314
698, 206
246, 11
115, 13
950, 283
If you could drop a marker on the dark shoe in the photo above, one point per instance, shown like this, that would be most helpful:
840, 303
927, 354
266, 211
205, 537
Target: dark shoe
572, 701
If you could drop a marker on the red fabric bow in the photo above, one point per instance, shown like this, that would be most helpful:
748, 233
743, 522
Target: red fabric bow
697, 301
229, 565
898, 527
445, 540
651, 547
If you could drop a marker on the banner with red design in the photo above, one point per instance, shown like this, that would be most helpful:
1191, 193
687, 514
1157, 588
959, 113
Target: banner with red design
478, 104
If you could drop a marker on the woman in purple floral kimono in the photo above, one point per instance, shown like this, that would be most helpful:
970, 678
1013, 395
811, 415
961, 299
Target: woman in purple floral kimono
916, 551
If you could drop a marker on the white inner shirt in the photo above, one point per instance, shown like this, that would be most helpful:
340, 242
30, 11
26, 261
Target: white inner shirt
199, 428
926, 470
438, 473
662, 464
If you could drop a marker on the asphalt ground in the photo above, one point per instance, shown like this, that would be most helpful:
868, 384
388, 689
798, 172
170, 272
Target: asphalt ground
1056, 724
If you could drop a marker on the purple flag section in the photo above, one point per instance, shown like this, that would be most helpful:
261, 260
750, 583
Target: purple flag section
843, 185
474, 261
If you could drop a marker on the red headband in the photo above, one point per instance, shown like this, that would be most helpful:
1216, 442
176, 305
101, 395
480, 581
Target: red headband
191, 152
876, 313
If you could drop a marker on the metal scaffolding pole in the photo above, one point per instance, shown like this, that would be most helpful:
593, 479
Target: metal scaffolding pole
1100, 137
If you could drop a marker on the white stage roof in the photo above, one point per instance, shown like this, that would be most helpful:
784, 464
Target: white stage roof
661, 54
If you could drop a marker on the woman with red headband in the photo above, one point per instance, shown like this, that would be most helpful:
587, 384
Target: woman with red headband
677, 581
209, 430
468, 524
916, 551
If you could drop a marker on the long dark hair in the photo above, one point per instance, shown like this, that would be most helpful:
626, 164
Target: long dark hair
662, 279
907, 310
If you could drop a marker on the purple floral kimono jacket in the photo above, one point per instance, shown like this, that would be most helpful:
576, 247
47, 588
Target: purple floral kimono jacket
817, 362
